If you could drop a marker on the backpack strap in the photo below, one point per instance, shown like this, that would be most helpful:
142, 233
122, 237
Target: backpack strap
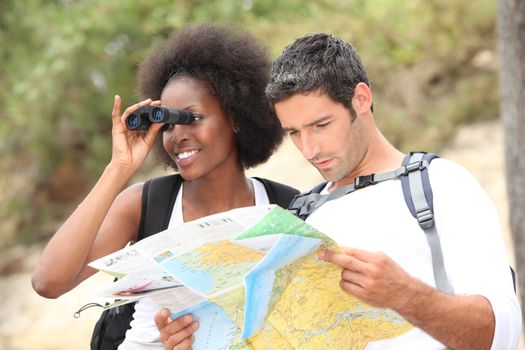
158, 199
419, 199
417, 192
278, 193
306, 203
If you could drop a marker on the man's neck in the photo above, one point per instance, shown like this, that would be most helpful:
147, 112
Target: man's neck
380, 157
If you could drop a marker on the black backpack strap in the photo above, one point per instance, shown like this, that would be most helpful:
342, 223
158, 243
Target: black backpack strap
418, 197
278, 193
158, 199
303, 204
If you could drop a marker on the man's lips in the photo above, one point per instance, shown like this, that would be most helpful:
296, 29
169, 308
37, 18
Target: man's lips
323, 164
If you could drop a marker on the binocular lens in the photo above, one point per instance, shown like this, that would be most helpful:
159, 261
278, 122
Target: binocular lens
133, 121
157, 115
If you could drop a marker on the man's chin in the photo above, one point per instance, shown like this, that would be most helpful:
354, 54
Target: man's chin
327, 175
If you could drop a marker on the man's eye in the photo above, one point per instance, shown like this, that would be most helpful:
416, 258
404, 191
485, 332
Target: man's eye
322, 125
292, 132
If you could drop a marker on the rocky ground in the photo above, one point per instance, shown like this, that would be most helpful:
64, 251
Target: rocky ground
31, 322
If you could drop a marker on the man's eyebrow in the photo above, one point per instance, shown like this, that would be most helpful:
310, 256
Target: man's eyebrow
312, 123
318, 120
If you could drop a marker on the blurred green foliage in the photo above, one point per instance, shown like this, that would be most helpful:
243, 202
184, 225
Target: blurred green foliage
431, 63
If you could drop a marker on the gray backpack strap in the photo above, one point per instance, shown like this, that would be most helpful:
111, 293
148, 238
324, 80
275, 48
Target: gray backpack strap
306, 203
419, 200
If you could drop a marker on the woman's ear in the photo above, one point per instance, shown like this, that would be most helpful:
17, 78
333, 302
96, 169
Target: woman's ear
234, 126
362, 99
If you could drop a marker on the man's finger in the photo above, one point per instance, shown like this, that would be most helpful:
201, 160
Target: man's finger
342, 260
351, 288
351, 276
359, 254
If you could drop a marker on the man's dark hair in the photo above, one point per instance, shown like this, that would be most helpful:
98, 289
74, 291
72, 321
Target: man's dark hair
317, 62
235, 68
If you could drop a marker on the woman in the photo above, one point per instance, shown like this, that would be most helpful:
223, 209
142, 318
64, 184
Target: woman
217, 74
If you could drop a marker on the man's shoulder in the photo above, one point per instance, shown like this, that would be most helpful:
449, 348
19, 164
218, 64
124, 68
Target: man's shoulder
452, 180
448, 169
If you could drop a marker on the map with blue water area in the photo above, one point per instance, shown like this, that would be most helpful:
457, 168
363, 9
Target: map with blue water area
214, 267
285, 298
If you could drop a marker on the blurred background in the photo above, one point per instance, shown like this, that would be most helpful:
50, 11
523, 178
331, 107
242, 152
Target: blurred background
433, 66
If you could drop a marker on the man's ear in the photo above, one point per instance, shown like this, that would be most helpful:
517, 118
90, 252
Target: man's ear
362, 99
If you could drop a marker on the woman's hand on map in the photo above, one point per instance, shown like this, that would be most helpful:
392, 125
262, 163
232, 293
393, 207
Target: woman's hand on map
175, 334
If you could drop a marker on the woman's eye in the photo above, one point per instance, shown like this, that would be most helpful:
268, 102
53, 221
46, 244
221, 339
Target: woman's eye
198, 117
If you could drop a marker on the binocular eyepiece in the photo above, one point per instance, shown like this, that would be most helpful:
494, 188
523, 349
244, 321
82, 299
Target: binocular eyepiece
142, 118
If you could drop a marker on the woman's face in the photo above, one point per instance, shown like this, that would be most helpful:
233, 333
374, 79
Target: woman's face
207, 146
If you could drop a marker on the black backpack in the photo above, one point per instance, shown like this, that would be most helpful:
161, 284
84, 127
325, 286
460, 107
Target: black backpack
158, 199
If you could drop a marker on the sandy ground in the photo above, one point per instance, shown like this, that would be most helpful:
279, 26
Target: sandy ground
31, 322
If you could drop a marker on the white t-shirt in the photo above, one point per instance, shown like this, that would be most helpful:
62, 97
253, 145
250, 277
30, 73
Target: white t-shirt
143, 334
376, 218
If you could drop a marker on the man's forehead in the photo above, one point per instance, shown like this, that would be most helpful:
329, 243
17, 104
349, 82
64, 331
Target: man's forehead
304, 109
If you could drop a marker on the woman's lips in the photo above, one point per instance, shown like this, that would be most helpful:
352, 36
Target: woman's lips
187, 157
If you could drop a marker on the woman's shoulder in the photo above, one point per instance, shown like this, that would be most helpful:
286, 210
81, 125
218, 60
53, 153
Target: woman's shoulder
278, 193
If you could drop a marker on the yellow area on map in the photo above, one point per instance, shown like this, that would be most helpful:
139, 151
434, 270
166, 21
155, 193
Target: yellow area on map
227, 253
222, 265
314, 313
233, 304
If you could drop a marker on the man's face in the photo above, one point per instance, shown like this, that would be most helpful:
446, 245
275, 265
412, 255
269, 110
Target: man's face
323, 131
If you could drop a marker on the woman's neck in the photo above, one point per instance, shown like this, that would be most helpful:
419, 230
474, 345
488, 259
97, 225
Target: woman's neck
207, 196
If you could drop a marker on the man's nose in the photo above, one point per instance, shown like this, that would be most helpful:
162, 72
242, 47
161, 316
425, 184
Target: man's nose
309, 146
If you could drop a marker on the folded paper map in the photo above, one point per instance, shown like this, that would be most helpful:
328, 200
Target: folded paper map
252, 279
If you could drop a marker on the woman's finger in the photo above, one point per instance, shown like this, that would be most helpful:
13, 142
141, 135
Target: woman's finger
152, 132
183, 338
116, 109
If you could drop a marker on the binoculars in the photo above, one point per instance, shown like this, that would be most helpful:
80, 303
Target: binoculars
142, 118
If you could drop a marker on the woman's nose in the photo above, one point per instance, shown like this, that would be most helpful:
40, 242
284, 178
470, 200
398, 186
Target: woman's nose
177, 133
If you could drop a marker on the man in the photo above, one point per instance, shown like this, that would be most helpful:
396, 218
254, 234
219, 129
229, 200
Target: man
322, 97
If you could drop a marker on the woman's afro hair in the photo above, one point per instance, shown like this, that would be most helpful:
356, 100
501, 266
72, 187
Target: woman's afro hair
235, 67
